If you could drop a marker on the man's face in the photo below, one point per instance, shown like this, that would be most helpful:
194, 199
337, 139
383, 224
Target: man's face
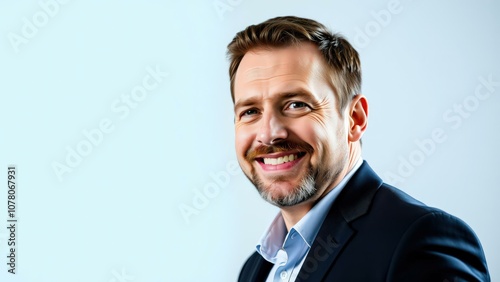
291, 140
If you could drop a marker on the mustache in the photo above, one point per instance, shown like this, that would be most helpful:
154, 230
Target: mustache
285, 146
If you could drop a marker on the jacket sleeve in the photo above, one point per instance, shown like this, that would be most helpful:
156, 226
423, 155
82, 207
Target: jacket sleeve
438, 247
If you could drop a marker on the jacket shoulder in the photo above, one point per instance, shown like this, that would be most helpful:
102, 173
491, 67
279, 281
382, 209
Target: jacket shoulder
431, 243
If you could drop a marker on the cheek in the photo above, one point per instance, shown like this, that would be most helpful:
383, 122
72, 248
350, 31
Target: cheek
322, 134
312, 132
244, 138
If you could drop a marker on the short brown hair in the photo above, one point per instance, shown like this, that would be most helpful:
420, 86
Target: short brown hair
342, 59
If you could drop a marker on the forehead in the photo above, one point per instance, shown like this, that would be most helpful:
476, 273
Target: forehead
271, 70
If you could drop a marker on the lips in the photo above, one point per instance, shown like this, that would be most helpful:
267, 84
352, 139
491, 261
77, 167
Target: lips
282, 157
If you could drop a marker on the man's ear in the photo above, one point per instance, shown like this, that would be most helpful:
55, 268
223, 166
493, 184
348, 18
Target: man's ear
358, 117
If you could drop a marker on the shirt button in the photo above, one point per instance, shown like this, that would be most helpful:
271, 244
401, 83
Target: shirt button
283, 275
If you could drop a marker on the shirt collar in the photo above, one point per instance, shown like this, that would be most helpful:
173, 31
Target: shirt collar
272, 240
275, 237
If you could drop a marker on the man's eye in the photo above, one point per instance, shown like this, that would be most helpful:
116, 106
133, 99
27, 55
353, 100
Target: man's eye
296, 105
249, 112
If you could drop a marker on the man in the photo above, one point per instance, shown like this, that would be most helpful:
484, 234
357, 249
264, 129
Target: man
299, 119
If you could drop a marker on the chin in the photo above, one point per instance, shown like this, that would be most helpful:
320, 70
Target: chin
287, 194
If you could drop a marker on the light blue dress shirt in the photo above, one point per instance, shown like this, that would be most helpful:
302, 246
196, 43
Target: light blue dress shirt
287, 251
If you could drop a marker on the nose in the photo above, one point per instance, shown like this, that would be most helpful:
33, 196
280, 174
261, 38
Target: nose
272, 130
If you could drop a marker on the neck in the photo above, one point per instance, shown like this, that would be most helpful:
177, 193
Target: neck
292, 215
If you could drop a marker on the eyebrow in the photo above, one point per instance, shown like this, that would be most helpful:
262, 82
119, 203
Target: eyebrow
282, 95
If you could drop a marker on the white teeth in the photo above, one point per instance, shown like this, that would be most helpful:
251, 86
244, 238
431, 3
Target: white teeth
280, 160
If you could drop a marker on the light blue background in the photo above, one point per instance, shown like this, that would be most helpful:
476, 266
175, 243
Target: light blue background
116, 216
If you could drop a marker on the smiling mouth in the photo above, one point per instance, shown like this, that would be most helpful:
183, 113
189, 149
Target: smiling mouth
281, 160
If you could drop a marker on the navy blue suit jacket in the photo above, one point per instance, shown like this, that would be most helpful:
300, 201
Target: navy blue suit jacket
375, 232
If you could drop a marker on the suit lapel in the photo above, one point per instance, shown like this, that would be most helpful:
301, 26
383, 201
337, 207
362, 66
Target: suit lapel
257, 270
353, 202
263, 270
332, 237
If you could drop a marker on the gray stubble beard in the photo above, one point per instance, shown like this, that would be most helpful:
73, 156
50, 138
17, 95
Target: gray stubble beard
303, 192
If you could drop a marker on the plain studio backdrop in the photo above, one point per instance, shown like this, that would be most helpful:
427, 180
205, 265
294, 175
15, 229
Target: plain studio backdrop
118, 118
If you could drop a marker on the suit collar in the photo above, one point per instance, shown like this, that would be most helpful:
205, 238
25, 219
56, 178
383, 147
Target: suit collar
357, 196
353, 202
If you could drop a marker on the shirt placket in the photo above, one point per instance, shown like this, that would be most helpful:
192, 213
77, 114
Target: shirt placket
284, 266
